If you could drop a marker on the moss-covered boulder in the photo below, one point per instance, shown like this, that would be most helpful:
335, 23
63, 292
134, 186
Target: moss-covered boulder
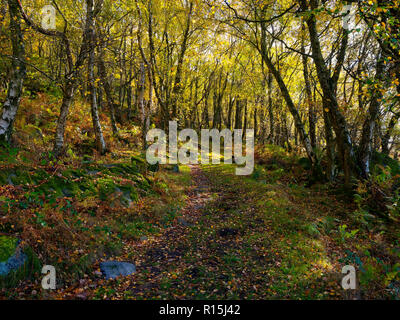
11, 256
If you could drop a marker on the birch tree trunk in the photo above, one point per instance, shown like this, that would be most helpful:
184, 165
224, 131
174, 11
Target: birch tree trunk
286, 95
107, 89
309, 98
142, 102
366, 147
177, 90
100, 142
271, 137
15, 86
328, 84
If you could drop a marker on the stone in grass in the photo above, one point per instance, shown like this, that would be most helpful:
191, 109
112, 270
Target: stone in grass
175, 169
122, 199
114, 269
11, 256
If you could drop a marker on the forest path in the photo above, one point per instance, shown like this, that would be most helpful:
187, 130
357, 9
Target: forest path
162, 260
236, 238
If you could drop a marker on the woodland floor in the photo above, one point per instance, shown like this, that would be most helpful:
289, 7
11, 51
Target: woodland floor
209, 234
234, 239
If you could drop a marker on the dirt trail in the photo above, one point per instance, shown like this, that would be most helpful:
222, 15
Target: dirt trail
157, 257
198, 196
218, 247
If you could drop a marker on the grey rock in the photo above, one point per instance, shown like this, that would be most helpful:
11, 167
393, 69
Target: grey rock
123, 200
176, 169
114, 269
13, 263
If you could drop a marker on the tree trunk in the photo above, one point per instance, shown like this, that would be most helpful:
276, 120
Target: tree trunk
142, 102
329, 84
71, 76
177, 90
107, 89
69, 91
365, 148
270, 110
255, 121
309, 97
330, 148
15, 86
245, 121
292, 108
100, 142
238, 116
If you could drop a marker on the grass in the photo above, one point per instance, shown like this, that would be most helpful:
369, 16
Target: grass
7, 247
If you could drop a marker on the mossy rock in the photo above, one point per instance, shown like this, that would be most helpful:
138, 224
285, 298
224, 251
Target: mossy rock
120, 169
66, 184
15, 177
87, 159
141, 182
139, 164
30, 270
130, 192
61, 187
105, 187
132, 169
87, 187
73, 174
137, 159
7, 247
